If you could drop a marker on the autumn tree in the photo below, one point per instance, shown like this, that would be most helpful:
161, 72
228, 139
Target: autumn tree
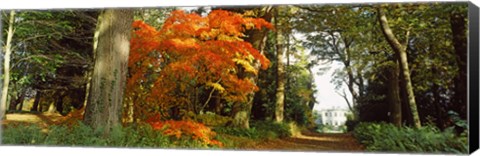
111, 48
258, 38
192, 55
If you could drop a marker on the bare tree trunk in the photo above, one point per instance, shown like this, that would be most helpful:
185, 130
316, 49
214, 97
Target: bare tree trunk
20, 101
13, 102
36, 102
401, 52
458, 26
438, 107
280, 90
6, 65
393, 95
104, 105
311, 103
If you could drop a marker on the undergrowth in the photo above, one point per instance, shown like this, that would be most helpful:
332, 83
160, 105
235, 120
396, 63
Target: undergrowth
258, 130
140, 135
427, 139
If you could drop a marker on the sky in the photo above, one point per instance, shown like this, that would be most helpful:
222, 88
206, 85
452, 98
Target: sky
326, 95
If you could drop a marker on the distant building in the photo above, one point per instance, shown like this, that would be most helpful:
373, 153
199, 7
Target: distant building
334, 118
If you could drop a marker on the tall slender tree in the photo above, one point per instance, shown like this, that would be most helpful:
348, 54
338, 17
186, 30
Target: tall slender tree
6, 65
458, 26
280, 49
401, 53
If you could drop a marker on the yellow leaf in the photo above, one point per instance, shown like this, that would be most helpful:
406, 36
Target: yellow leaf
246, 65
216, 86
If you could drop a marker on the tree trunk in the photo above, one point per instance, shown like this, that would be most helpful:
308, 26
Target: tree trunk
105, 99
13, 103
258, 38
458, 26
36, 102
401, 52
20, 101
59, 102
6, 66
311, 103
280, 90
393, 96
438, 105
217, 106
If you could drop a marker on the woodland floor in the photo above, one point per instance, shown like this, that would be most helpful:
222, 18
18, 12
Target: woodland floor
310, 141
42, 119
306, 141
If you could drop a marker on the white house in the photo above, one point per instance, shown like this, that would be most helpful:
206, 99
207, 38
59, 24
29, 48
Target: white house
332, 117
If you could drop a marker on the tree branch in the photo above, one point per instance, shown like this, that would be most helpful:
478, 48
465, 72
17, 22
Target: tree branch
344, 96
210, 96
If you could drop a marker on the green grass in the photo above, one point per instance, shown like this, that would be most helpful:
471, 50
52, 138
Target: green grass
141, 135
83, 135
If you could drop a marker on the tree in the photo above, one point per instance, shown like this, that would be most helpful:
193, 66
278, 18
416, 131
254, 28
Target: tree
458, 25
340, 36
49, 53
104, 105
280, 22
393, 94
301, 88
258, 39
193, 55
400, 52
6, 65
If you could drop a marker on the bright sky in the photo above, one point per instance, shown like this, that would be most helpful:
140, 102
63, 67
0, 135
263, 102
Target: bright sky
327, 96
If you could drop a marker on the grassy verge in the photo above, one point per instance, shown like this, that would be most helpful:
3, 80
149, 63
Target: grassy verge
142, 135
82, 135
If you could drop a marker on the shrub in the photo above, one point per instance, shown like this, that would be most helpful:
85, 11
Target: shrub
23, 134
282, 130
76, 135
259, 130
188, 130
351, 124
251, 133
212, 119
387, 137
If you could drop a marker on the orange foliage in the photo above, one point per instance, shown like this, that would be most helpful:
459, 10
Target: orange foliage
193, 130
191, 51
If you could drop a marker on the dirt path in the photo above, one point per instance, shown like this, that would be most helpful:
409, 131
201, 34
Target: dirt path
309, 141
42, 119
